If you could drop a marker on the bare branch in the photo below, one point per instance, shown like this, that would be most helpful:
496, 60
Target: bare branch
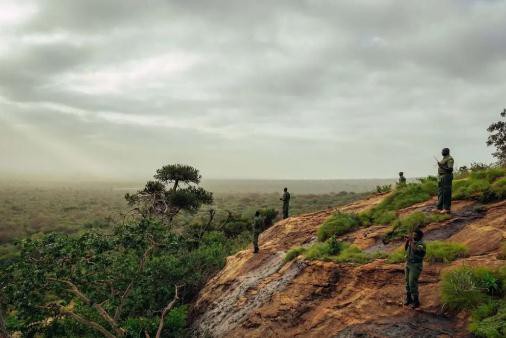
165, 311
72, 288
86, 322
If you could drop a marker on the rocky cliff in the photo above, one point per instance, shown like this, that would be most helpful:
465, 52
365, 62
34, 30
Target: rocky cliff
260, 296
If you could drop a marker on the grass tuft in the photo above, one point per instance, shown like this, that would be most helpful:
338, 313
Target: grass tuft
445, 252
405, 225
483, 184
481, 291
293, 253
338, 224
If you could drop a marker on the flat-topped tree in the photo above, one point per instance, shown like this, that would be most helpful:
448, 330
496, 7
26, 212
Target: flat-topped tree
178, 173
175, 189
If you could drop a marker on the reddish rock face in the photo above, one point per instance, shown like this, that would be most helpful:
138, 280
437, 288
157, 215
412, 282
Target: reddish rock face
258, 296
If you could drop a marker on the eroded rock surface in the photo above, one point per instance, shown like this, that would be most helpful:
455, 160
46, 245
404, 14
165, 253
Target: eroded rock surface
258, 296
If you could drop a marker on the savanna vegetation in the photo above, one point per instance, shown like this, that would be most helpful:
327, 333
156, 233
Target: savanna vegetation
102, 264
31, 210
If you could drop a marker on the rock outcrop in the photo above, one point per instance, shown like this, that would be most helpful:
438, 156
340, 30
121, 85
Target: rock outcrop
260, 296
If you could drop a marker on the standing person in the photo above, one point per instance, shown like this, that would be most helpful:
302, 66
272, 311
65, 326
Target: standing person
258, 223
415, 252
445, 174
402, 180
286, 202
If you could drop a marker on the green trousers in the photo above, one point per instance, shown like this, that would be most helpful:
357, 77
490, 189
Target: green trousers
413, 271
255, 241
445, 192
285, 211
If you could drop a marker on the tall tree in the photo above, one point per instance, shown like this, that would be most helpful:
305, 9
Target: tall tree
497, 138
174, 189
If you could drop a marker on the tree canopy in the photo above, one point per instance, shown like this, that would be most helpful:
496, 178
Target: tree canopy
497, 138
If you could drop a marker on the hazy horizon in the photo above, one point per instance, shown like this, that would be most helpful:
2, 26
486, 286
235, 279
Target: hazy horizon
256, 90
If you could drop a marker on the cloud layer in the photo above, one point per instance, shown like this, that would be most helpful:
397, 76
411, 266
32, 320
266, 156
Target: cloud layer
247, 89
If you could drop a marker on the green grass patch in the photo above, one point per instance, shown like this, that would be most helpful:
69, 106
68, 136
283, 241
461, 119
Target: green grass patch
338, 224
340, 252
293, 253
445, 252
498, 188
437, 252
398, 256
489, 320
403, 197
466, 288
485, 185
405, 225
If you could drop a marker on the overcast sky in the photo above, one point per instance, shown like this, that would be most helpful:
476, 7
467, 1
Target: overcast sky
248, 89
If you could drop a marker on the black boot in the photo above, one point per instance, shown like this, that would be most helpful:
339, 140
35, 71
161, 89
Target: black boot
416, 302
409, 300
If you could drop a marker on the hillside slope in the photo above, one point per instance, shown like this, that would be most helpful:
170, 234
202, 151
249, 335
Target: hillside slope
259, 295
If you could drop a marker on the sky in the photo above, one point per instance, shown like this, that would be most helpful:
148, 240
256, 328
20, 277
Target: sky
247, 89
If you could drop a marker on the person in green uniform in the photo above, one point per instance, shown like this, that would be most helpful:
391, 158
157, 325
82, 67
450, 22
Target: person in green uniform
286, 202
402, 180
445, 179
258, 223
415, 252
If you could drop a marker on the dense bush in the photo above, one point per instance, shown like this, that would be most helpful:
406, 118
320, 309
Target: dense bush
132, 272
338, 224
481, 291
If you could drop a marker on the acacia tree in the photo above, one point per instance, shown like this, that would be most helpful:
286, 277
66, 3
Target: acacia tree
174, 189
497, 138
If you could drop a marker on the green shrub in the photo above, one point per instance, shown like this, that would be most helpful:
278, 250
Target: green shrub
269, 215
293, 253
445, 252
383, 188
466, 288
489, 174
338, 224
468, 188
412, 193
489, 320
405, 225
318, 251
485, 185
386, 217
499, 188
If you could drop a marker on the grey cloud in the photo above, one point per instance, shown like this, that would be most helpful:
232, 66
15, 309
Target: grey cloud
231, 84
